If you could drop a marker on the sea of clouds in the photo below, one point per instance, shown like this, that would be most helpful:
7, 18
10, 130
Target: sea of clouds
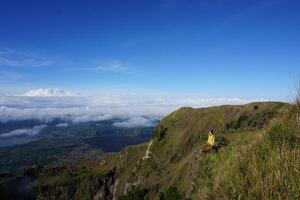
133, 109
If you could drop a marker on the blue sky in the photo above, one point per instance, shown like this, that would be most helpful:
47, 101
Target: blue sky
229, 48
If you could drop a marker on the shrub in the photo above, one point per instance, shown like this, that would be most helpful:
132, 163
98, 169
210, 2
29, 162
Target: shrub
171, 193
297, 103
137, 193
222, 142
159, 132
284, 134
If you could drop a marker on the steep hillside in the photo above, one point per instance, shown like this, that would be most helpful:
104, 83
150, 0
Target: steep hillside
175, 166
175, 158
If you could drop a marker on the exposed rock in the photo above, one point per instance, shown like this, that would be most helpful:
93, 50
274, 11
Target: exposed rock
99, 188
107, 189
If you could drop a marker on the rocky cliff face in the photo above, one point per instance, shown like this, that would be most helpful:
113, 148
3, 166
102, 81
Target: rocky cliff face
89, 187
108, 187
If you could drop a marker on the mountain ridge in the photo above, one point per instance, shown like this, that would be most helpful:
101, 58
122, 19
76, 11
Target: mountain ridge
175, 159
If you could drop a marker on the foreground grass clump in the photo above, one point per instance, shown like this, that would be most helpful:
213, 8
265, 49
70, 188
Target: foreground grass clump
137, 193
171, 193
269, 168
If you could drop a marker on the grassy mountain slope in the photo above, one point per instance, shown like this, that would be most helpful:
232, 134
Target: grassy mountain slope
175, 158
258, 158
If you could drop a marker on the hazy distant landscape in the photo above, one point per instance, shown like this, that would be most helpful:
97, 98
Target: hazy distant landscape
56, 142
46, 126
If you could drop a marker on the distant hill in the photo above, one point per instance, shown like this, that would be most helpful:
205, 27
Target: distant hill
257, 158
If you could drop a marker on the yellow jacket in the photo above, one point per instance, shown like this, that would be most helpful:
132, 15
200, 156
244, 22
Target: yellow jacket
211, 139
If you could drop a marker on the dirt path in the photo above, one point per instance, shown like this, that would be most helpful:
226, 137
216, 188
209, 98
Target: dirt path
148, 152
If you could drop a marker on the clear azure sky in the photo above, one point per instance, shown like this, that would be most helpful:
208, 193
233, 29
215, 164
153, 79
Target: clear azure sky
218, 48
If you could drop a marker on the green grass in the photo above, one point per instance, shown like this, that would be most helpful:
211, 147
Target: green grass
258, 158
267, 168
178, 139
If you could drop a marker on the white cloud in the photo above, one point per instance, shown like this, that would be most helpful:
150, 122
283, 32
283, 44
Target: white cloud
112, 66
62, 125
26, 131
13, 58
136, 121
21, 136
133, 109
47, 92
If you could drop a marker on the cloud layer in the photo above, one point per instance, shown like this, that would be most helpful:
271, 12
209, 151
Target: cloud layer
23, 132
21, 136
134, 110
47, 92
